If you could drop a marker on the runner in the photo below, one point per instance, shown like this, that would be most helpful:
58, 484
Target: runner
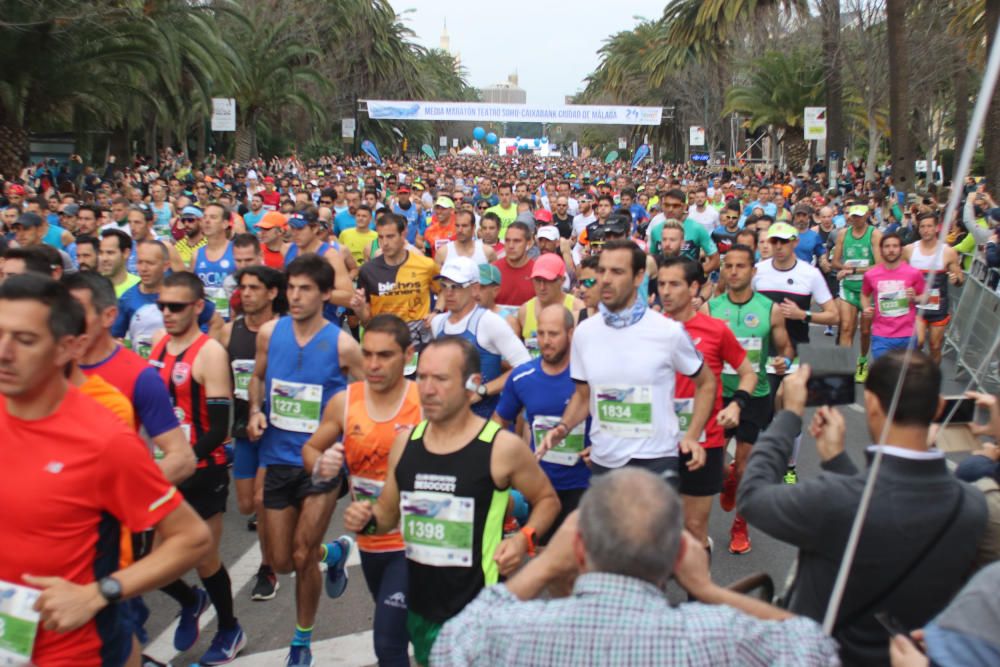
193, 238
515, 266
547, 277
587, 289
679, 282
619, 391
855, 252
456, 470
306, 231
895, 285
465, 243
697, 241
194, 369
416, 223
489, 333
489, 287
361, 236
369, 415
112, 262
505, 209
214, 262
759, 326
489, 233
300, 365
926, 255
262, 297
441, 226
542, 388
87, 251
271, 231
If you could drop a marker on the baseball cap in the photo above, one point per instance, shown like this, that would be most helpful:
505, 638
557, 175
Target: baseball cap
489, 274
71, 209
16, 189
192, 212
403, 190
269, 179
271, 220
543, 215
29, 219
857, 209
549, 266
461, 270
802, 208
297, 221
549, 233
782, 230
444, 202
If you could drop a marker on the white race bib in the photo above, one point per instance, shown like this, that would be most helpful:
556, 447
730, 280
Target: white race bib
753, 347
626, 411
18, 623
437, 528
684, 408
242, 372
296, 406
567, 452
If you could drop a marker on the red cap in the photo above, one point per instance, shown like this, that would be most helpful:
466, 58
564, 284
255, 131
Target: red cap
543, 215
403, 190
268, 179
16, 189
548, 266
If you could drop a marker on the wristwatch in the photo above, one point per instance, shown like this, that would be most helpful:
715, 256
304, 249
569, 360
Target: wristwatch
110, 589
809, 316
482, 391
532, 539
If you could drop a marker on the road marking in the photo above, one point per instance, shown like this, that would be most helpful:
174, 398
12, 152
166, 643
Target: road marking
855, 407
347, 651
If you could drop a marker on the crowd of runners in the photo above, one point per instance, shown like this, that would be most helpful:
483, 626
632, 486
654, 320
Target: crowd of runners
456, 351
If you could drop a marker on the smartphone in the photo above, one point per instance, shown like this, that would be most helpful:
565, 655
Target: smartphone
891, 625
961, 409
830, 389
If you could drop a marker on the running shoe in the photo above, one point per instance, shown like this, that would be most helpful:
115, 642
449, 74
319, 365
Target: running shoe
739, 540
336, 574
727, 499
226, 645
153, 662
791, 477
861, 375
187, 631
828, 331
299, 656
267, 585
252, 522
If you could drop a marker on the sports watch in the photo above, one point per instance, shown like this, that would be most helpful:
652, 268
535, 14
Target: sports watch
531, 538
110, 589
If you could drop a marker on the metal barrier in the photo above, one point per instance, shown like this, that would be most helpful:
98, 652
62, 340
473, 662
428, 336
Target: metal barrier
975, 328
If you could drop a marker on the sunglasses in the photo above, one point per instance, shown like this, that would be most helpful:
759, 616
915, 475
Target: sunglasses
173, 306
730, 217
588, 282
451, 287
189, 219
325, 201
483, 207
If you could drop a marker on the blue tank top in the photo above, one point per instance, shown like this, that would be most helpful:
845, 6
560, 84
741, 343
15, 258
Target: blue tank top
490, 363
298, 384
414, 221
213, 275
293, 251
331, 312
161, 221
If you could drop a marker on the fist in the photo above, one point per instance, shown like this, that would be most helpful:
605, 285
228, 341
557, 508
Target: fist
331, 461
357, 515
256, 425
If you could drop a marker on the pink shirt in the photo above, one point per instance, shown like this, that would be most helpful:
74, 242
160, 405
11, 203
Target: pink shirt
895, 314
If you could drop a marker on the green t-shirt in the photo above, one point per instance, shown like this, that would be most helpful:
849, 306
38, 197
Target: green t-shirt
750, 322
696, 238
506, 215
857, 253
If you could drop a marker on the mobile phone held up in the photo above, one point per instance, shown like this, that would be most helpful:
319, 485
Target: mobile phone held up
831, 377
957, 410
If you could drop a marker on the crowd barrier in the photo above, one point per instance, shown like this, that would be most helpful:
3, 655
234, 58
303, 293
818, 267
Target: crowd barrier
975, 328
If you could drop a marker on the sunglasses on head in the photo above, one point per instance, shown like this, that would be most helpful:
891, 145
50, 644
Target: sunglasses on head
173, 306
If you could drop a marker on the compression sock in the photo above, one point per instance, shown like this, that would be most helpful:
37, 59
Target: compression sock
303, 636
329, 555
795, 451
181, 592
220, 592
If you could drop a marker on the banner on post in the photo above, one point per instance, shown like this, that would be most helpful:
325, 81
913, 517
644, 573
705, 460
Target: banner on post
696, 136
814, 123
478, 111
347, 128
223, 114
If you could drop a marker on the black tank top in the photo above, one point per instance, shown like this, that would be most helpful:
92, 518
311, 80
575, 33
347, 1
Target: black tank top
242, 351
451, 517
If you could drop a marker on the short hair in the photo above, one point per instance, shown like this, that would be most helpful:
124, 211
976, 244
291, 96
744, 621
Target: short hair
523, 226
398, 221
102, 290
918, 398
672, 223
923, 215
147, 212
124, 240
66, 316
492, 217
35, 258
505, 184
227, 215
468, 213
628, 192
388, 323
741, 247
890, 235
93, 208
365, 207
247, 240
638, 256
87, 239
272, 279
188, 280
470, 356
120, 200
607, 198
692, 270
639, 539
752, 235
160, 245
675, 193
314, 267
590, 262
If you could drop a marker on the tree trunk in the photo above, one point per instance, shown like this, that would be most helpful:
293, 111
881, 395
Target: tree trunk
830, 11
874, 137
961, 90
13, 150
900, 140
201, 139
991, 132
244, 144
796, 148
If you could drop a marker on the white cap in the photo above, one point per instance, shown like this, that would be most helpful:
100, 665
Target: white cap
461, 270
548, 232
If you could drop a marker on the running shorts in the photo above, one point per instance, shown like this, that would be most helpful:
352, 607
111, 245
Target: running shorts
246, 458
706, 480
754, 418
207, 490
851, 295
287, 486
423, 634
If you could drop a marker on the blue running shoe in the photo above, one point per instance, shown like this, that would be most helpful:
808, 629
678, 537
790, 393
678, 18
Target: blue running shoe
226, 645
299, 656
336, 573
187, 631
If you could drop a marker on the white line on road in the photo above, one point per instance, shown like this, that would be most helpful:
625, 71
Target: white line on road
348, 651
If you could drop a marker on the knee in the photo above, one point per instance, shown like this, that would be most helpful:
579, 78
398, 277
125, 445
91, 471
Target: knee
247, 505
280, 560
304, 557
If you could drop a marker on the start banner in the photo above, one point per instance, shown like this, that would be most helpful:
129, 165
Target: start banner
476, 111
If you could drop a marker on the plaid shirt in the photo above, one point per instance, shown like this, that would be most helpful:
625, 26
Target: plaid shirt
616, 620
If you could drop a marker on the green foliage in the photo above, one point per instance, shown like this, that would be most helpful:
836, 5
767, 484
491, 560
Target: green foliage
780, 86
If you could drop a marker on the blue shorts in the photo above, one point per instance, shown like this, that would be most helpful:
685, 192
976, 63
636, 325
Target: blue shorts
246, 458
883, 344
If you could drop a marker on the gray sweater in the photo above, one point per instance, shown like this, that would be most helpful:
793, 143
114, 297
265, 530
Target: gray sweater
911, 501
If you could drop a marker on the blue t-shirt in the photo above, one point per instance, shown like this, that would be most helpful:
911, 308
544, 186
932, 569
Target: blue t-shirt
251, 219
343, 220
810, 245
53, 237
538, 393
138, 314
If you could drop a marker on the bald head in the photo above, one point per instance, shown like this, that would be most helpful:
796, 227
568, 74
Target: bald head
554, 332
556, 315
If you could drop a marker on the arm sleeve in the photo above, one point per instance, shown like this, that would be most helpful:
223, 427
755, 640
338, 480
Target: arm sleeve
218, 428
133, 488
499, 338
152, 404
510, 403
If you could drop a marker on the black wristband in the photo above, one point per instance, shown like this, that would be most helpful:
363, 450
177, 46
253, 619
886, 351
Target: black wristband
371, 527
741, 398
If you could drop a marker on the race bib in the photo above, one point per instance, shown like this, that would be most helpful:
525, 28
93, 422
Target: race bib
532, 344
753, 346
411, 365
894, 303
684, 409
437, 528
567, 452
933, 300
773, 371
242, 372
296, 406
364, 488
219, 298
855, 264
626, 411
18, 623
141, 346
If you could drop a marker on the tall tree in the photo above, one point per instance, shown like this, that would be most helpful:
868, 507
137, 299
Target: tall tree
830, 17
900, 139
991, 132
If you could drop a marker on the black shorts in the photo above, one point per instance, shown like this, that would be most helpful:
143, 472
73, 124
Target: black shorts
666, 467
287, 486
706, 480
207, 490
570, 499
754, 418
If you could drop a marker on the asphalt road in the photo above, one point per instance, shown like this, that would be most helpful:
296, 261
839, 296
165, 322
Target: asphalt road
342, 633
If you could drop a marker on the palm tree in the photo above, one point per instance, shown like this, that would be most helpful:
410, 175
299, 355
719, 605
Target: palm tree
900, 139
781, 85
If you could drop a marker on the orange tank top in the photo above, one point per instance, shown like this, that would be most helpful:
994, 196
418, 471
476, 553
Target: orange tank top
366, 451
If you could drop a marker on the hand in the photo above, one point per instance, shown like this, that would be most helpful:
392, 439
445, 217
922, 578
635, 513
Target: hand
357, 300
792, 391
843, 273
357, 515
828, 428
991, 406
585, 455
689, 445
692, 571
729, 417
510, 553
911, 294
554, 436
869, 311
954, 277
331, 461
780, 366
903, 653
256, 425
791, 311
65, 606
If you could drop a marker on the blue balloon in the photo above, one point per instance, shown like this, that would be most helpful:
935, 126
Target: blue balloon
478, 134
537, 143
517, 139
545, 140
491, 138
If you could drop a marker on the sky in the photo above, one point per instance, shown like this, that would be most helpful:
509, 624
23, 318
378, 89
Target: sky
551, 44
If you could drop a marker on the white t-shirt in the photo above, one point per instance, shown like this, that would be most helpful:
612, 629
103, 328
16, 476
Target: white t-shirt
650, 353
709, 218
580, 222
493, 334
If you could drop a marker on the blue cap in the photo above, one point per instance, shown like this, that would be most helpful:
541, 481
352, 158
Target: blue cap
192, 212
297, 221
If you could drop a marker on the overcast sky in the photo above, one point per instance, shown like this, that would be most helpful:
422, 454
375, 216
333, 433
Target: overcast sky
551, 44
